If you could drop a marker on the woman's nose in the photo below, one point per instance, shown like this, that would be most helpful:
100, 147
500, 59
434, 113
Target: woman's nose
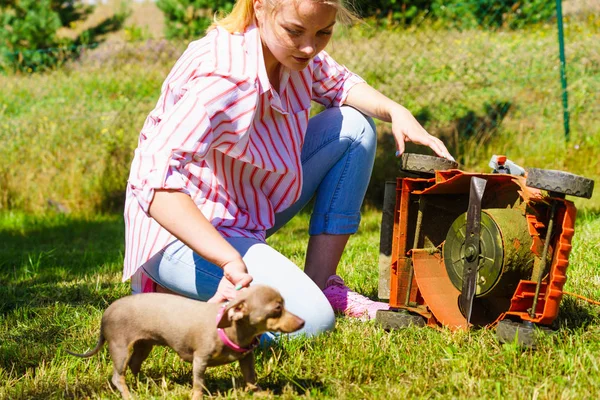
308, 48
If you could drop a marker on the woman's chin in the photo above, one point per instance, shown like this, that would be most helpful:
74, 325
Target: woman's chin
297, 64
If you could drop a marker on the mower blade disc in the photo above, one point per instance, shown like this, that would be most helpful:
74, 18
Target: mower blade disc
471, 249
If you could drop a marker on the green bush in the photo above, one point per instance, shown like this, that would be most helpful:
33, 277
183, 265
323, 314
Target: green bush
28, 25
493, 14
188, 19
392, 11
70, 11
462, 13
29, 40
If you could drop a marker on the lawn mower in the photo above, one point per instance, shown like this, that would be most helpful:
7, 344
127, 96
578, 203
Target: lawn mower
461, 249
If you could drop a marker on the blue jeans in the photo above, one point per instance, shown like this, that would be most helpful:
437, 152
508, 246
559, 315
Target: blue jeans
337, 160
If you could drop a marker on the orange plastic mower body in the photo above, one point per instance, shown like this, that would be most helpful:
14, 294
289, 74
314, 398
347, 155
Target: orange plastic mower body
521, 214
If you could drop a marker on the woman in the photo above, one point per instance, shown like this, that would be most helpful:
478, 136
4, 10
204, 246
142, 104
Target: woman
229, 154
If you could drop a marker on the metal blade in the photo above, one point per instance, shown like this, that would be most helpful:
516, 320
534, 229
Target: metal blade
471, 249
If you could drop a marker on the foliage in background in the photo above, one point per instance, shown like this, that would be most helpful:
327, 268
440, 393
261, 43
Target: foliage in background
390, 12
29, 40
189, 19
493, 14
70, 11
465, 14
28, 25
67, 137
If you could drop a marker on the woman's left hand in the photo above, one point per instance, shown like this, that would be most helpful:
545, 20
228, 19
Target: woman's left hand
406, 128
235, 277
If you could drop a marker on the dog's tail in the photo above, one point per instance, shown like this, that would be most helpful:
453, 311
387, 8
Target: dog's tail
90, 353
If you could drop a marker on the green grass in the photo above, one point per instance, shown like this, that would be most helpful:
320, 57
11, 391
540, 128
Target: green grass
66, 141
58, 273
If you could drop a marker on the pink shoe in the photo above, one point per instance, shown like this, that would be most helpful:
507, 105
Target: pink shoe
352, 304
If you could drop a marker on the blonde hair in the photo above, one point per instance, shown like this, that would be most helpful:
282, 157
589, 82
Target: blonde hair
242, 14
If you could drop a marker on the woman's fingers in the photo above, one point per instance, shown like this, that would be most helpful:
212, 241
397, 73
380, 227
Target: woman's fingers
245, 281
225, 291
400, 146
440, 149
235, 278
425, 139
217, 298
237, 273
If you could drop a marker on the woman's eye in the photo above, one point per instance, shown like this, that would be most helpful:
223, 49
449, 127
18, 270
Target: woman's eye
293, 32
325, 33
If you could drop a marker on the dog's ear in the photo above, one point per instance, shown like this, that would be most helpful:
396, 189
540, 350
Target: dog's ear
234, 312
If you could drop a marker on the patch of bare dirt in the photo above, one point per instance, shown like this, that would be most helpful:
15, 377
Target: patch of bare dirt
144, 15
571, 7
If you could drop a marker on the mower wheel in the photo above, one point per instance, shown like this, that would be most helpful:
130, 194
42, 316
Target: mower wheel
422, 164
526, 334
389, 319
560, 182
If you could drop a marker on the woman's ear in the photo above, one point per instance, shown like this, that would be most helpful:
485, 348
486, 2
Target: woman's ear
259, 8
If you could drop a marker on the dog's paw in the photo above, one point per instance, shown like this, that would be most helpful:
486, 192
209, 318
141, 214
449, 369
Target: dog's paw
259, 392
252, 387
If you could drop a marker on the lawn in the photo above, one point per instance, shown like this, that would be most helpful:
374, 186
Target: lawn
58, 273
66, 141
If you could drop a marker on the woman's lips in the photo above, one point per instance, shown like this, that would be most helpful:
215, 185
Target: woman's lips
301, 59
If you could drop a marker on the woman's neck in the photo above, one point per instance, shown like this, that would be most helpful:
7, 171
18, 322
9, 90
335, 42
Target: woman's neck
272, 66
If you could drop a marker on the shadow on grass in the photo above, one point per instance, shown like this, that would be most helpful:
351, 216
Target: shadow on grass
34, 295
52, 268
575, 314
222, 385
45, 259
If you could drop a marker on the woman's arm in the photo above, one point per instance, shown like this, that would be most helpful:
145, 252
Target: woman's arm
404, 125
178, 214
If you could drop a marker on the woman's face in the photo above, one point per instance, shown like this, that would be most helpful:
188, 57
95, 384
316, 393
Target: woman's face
295, 33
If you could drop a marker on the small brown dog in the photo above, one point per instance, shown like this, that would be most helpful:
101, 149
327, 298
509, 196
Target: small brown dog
205, 334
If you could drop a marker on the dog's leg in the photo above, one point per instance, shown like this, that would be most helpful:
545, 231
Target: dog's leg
199, 367
119, 353
248, 372
141, 351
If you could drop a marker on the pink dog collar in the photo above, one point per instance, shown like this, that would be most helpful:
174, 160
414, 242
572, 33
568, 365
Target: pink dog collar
226, 341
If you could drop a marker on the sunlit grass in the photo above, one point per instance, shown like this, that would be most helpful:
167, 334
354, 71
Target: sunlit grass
58, 273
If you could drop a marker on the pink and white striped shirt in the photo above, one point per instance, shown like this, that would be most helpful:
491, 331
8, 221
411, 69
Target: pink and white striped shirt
223, 135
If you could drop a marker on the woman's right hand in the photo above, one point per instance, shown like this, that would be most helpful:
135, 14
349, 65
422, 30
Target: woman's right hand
235, 274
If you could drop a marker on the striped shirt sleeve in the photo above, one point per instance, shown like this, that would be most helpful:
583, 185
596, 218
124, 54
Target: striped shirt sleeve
331, 81
214, 113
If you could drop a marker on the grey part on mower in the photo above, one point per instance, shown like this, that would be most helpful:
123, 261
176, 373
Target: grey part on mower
511, 167
423, 164
560, 182
526, 334
389, 319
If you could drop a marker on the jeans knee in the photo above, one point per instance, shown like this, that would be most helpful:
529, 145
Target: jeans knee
320, 319
360, 127
315, 324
